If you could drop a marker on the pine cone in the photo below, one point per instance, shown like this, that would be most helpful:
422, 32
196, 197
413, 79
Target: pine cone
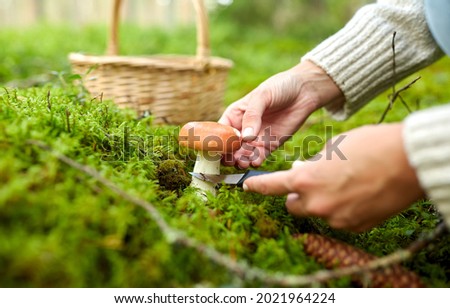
335, 254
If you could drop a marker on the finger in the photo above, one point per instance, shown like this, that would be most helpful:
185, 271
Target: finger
224, 117
244, 152
252, 118
257, 162
244, 156
295, 205
243, 162
298, 163
358, 227
232, 116
274, 184
259, 155
228, 159
255, 155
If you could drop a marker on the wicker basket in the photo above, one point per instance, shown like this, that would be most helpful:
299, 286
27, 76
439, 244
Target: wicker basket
173, 89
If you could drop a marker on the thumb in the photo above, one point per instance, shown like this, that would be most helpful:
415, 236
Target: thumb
274, 184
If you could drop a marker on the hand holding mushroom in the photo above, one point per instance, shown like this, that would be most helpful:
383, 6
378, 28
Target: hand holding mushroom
276, 109
211, 140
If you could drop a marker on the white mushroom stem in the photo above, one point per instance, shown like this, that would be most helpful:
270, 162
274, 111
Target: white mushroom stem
211, 140
206, 163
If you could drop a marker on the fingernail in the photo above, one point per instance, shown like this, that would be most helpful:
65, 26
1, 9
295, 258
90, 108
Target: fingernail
298, 163
245, 187
248, 134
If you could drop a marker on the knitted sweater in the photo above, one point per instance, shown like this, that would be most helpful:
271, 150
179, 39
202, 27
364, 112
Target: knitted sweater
359, 60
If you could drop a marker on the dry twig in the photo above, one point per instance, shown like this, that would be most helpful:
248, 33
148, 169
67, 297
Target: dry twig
393, 97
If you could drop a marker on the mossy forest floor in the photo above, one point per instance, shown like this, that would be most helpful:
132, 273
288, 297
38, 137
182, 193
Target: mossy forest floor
59, 227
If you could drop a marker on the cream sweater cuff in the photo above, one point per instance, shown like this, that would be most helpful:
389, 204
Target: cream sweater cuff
427, 143
359, 58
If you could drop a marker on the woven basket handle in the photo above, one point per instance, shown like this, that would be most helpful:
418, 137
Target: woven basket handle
113, 44
203, 50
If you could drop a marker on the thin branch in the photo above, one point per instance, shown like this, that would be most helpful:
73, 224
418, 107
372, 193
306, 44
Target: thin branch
68, 119
404, 104
394, 64
395, 94
406, 87
49, 102
241, 268
393, 97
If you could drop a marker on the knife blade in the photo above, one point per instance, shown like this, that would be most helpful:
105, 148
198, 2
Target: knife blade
229, 179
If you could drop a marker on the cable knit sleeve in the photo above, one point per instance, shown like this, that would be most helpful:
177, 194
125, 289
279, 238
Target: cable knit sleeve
427, 144
359, 58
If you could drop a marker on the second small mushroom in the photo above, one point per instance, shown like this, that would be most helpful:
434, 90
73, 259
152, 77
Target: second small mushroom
210, 140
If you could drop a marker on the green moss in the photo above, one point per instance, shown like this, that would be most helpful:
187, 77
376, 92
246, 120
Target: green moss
172, 175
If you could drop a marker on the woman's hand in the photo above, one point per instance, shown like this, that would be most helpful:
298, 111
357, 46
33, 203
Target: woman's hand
277, 108
369, 183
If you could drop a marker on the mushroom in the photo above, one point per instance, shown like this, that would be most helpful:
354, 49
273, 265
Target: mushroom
211, 140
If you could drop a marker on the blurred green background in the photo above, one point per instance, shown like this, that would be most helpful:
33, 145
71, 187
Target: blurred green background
261, 37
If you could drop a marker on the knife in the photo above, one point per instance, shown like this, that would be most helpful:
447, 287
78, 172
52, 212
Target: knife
229, 179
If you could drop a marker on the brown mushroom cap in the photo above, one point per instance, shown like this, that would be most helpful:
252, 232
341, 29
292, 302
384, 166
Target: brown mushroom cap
209, 136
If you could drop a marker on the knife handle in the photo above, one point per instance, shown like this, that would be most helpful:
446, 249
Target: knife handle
249, 174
